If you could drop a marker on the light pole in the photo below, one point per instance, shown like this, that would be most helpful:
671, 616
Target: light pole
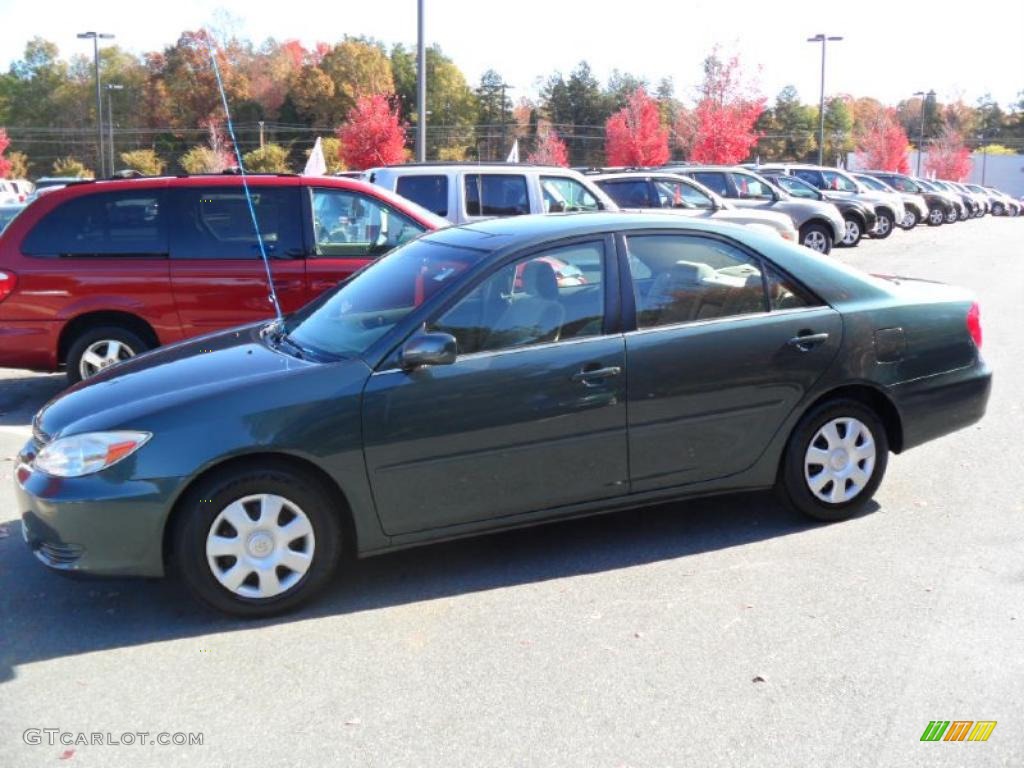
824, 39
111, 87
421, 88
920, 140
96, 37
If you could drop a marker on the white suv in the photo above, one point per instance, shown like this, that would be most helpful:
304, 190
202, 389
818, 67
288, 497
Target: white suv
462, 192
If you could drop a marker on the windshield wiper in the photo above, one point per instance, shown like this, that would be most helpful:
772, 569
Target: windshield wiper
275, 334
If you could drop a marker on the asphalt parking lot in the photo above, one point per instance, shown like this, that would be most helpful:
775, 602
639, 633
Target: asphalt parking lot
723, 632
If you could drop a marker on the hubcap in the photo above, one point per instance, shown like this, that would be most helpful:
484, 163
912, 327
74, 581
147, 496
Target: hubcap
852, 233
840, 460
936, 216
909, 219
816, 241
260, 546
883, 225
103, 354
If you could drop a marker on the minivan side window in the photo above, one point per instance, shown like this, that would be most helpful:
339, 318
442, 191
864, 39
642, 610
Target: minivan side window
103, 224
429, 191
496, 195
628, 193
353, 225
215, 223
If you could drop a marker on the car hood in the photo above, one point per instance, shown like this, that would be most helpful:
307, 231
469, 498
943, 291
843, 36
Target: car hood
168, 378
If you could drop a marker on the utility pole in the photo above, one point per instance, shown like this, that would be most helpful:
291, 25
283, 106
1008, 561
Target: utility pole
920, 141
96, 37
111, 87
421, 88
822, 38
261, 134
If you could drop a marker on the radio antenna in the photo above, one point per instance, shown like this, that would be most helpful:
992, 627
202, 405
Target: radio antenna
245, 182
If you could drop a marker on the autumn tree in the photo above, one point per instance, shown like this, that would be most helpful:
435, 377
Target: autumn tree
145, 161
19, 165
550, 149
373, 134
357, 67
331, 147
5, 164
726, 113
270, 158
213, 157
948, 158
634, 135
71, 166
883, 144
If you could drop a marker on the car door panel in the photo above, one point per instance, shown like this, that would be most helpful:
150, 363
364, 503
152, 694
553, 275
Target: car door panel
706, 397
497, 434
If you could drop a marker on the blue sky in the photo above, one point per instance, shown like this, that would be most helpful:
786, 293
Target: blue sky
890, 49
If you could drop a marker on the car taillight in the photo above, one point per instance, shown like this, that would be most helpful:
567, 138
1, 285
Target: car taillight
7, 282
974, 324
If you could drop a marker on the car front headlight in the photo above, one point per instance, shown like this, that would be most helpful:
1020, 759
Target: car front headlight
85, 454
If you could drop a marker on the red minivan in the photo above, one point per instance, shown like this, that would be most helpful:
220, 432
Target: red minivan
100, 271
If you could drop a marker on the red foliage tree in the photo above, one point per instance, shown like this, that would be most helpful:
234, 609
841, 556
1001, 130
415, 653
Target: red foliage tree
726, 113
948, 158
550, 150
373, 134
634, 135
883, 143
5, 164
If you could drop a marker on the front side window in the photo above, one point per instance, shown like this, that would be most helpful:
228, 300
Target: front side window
429, 191
750, 188
797, 187
552, 296
628, 193
104, 224
353, 225
562, 194
838, 182
715, 181
216, 223
496, 195
814, 178
686, 278
679, 194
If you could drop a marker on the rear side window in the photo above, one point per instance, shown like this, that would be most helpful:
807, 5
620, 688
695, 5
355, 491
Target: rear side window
811, 177
216, 223
749, 188
429, 191
629, 193
715, 181
563, 194
105, 224
496, 195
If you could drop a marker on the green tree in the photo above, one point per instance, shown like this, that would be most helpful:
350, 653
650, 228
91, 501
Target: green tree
451, 103
787, 129
270, 158
145, 161
991, 120
622, 85
577, 109
839, 139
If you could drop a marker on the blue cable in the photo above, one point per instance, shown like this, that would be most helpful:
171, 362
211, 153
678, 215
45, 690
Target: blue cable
245, 184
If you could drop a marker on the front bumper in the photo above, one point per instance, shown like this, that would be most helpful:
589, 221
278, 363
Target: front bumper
934, 406
104, 524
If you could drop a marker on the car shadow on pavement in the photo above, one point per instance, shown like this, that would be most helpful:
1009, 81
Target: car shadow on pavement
22, 396
44, 616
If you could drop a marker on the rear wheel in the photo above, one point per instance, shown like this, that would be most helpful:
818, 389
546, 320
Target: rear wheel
952, 215
257, 541
998, 209
835, 460
883, 227
99, 348
936, 217
816, 237
909, 219
853, 232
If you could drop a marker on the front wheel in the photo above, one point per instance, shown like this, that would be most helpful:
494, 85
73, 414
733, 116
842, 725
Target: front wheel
816, 237
909, 219
953, 216
883, 227
834, 460
257, 541
936, 217
853, 232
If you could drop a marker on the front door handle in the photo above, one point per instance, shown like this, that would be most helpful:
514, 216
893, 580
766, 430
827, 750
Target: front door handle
806, 342
592, 375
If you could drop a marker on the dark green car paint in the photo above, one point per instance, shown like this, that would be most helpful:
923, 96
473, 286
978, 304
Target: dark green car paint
503, 439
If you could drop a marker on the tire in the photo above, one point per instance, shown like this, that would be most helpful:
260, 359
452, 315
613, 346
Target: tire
854, 232
883, 227
290, 570
798, 469
936, 217
910, 219
94, 350
963, 214
952, 216
998, 209
816, 237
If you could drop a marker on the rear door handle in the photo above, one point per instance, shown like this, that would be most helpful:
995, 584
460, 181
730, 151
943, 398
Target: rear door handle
592, 375
806, 342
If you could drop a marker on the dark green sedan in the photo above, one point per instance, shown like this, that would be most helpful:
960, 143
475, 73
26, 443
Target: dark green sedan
457, 386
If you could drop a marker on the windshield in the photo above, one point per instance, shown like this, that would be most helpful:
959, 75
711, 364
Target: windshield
347, 320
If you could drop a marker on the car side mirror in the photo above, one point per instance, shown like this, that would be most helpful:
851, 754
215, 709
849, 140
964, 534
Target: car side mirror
428, 349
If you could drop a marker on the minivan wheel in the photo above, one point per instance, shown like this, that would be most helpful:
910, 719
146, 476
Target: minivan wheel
835, 459
816, 237
257, 541
853, 232
883, 227
935, 217
99, 348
